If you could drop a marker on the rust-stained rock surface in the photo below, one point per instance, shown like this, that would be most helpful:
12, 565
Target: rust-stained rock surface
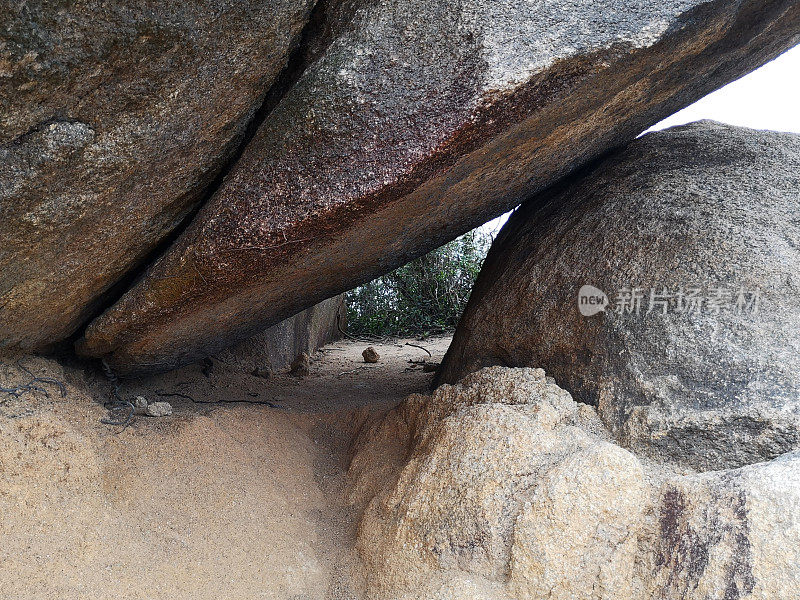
419, 120
729, 534
693, 234
114, 119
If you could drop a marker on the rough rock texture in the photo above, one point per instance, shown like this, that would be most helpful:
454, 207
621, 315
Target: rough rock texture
499, 485
731, 534
706, 207
275, 349
114, 119
420, 120
503, 488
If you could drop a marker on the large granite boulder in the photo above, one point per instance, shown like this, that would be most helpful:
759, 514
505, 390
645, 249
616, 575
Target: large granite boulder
694, 235
418, 120
499, 487
115, 118
503, 487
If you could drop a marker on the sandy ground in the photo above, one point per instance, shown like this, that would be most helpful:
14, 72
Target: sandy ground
235, 496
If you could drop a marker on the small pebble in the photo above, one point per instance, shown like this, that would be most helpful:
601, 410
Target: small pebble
159, 409
140, 405
301, 366
371, 355
262, 372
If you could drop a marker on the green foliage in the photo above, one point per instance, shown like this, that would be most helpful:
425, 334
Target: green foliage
424, 296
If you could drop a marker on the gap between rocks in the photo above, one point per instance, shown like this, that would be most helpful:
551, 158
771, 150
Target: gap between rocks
297, 62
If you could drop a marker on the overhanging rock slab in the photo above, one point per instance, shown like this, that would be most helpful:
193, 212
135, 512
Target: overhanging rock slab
418, 121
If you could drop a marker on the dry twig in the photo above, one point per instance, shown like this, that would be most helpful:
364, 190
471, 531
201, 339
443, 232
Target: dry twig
420, 347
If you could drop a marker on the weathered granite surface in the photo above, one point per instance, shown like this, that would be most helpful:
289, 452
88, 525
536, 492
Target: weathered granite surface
114, 119
694, 235
419, 120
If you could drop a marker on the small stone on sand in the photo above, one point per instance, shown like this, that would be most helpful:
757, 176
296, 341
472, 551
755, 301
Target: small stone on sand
159, 409
371, 355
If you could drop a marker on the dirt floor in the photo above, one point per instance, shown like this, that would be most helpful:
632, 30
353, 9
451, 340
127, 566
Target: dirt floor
237, 495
